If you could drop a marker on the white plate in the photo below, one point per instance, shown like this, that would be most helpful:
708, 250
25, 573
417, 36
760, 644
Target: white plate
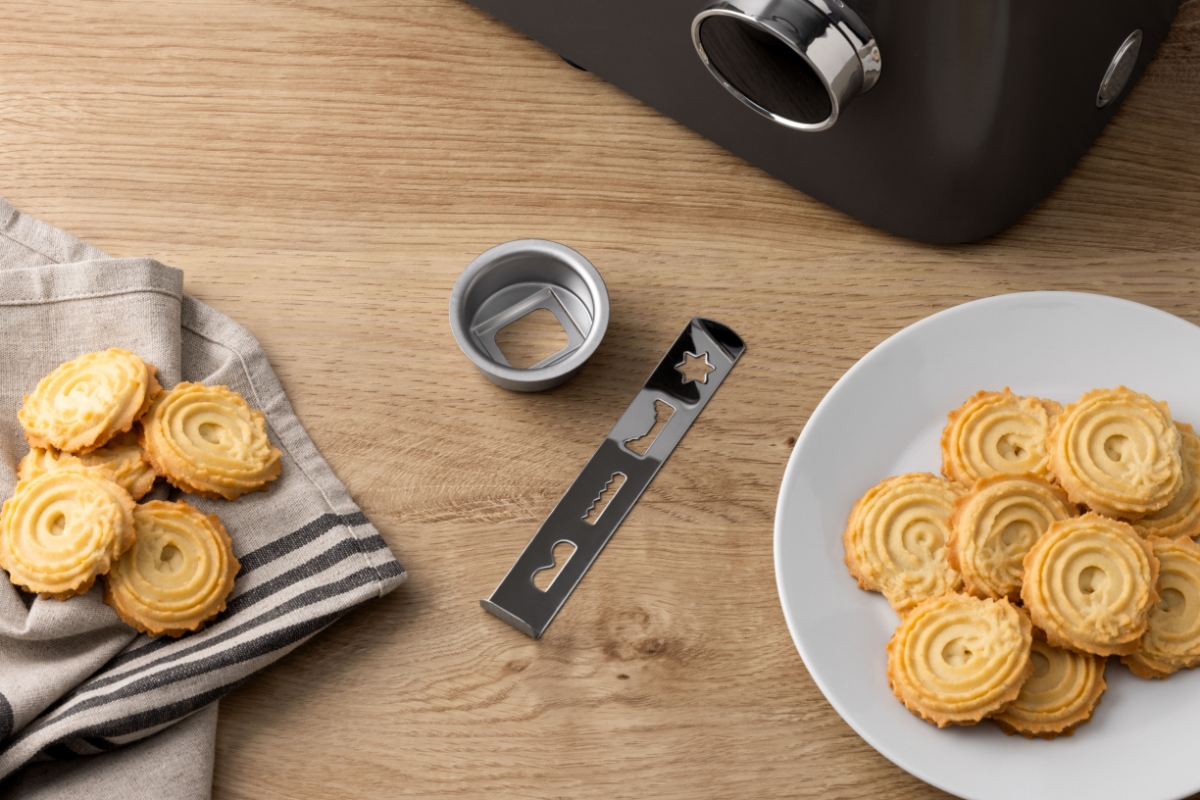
884, 417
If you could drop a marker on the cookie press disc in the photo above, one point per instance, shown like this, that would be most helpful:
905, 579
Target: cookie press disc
511, 281
621, 469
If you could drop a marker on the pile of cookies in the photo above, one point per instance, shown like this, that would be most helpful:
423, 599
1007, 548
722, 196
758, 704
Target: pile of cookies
101, 430
1057, 537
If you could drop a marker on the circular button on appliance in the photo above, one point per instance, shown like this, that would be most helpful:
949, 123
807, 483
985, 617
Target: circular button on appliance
1120, 70
796, 62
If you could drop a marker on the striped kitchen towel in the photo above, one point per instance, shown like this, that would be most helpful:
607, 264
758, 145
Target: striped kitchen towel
80, 691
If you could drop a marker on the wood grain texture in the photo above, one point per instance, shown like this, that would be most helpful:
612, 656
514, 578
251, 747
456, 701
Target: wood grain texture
323, 170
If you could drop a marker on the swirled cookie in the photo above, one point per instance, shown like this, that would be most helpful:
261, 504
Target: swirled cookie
40, 460
896, 539
1059, 696
177, 575
84, 403
1172, 641
993, 526
997, 433
63, 528
1180, 517
1117, 452
206, 440
121, 455
955, 659
1089, 584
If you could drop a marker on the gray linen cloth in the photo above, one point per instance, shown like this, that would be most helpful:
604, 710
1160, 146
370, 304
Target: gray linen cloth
89, 707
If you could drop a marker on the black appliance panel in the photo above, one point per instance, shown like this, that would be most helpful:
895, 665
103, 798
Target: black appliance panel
982, 106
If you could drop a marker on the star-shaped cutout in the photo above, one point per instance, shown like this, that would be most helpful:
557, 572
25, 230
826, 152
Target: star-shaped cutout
694, 367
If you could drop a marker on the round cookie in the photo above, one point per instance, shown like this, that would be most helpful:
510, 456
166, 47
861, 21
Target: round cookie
84, 403
62, 529
1180, 517
177, 575
122, 456
1172, 640
1117, 452
40, 460
997, 433
993, 526
1089, 584
895, 539
1058, 697
206, 440
955, 659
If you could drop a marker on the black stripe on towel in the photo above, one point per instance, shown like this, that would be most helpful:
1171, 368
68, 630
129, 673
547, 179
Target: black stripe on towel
265, 555
101, 744
241, 652
160, 715
298, 538
151, 718
60, 752
184, 647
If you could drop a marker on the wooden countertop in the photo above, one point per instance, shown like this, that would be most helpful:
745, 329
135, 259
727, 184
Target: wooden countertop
323, 170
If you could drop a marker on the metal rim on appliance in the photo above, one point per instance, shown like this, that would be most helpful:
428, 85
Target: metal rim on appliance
827, 36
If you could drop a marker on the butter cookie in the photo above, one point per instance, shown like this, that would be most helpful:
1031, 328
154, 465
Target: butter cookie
1058, 697
122, 455
993, 526
1172, 641
178, 573
895, 539
997, 433
1117, 452
62, 529
84, 403
955, 659
1089, 584
207, 441
1180, 517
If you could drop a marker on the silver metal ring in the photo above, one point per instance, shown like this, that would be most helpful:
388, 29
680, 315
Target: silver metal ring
511, 281
827, 35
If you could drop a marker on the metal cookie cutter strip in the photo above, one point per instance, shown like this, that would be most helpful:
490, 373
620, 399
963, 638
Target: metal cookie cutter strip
683, 381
